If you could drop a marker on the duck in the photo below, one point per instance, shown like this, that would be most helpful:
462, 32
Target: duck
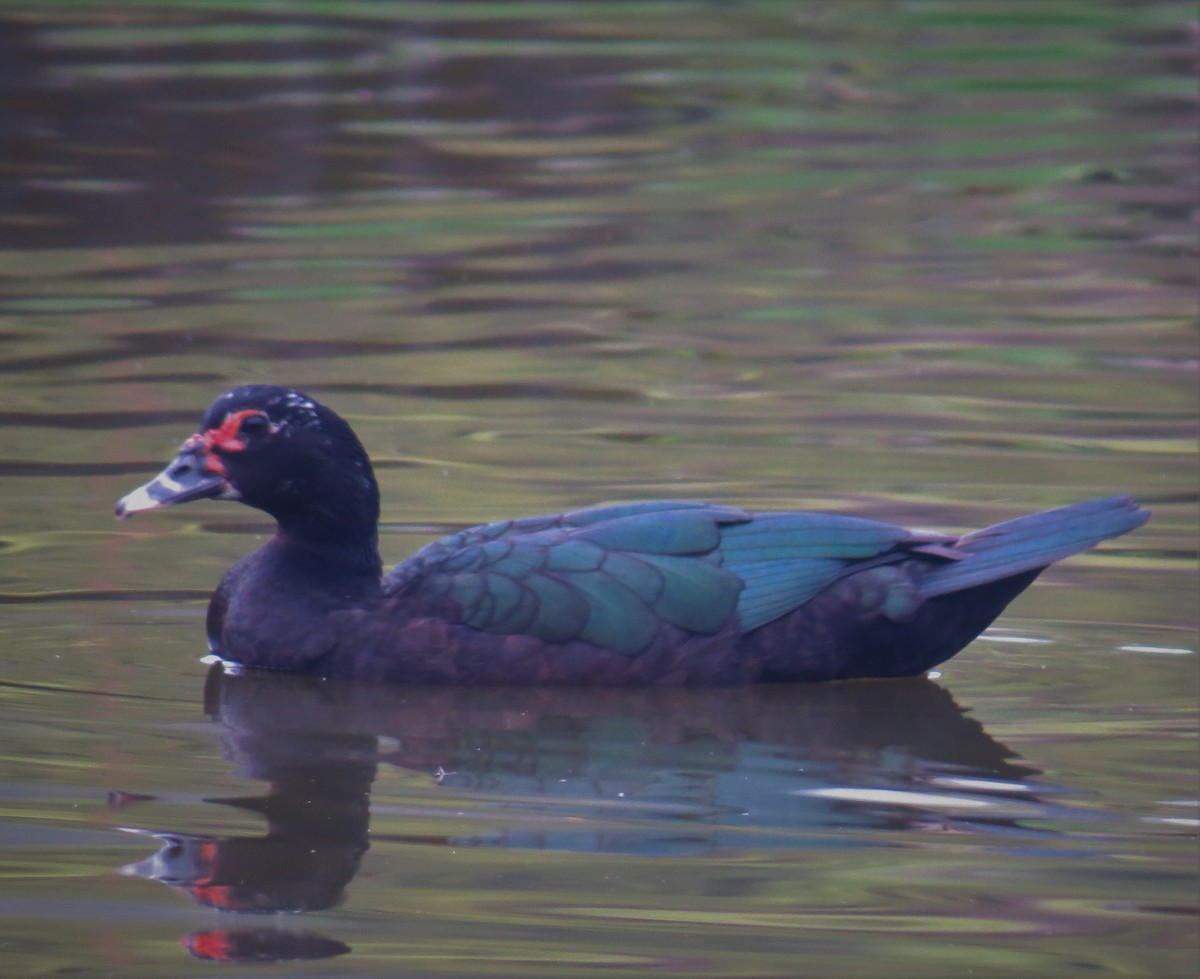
663, 592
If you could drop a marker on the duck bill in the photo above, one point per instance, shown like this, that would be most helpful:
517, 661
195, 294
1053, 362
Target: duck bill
189, 477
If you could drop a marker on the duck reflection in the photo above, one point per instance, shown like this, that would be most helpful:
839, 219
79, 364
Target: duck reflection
653, 771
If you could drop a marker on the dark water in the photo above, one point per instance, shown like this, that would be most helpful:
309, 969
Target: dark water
930, 262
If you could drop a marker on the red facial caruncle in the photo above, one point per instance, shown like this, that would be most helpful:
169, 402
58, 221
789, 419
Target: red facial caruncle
224, 438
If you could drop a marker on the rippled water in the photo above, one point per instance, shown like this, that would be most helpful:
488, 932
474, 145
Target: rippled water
929, 262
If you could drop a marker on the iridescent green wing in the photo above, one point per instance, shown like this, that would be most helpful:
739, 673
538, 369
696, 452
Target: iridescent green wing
784, 559
613, 576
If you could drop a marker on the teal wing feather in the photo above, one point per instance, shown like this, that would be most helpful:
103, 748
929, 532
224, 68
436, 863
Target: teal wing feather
611, 576
784, 559
614, 575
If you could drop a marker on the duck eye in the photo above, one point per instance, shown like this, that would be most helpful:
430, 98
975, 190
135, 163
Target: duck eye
254, 424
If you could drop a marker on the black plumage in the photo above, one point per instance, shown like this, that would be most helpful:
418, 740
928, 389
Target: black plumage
639, 593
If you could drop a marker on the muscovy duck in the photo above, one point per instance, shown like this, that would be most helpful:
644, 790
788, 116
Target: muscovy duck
660, 592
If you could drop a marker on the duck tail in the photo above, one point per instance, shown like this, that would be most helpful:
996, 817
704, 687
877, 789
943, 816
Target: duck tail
1032, 542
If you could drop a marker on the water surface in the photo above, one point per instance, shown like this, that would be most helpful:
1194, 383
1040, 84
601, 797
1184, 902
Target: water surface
925, 262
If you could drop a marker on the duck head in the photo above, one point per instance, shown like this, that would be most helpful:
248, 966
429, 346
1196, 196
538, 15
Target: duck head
275, 449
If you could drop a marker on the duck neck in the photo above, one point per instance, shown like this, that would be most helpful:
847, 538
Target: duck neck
337, 546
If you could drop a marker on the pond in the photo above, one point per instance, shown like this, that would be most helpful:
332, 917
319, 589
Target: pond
928, 262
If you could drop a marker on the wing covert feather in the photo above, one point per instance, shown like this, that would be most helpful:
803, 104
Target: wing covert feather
616, 575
